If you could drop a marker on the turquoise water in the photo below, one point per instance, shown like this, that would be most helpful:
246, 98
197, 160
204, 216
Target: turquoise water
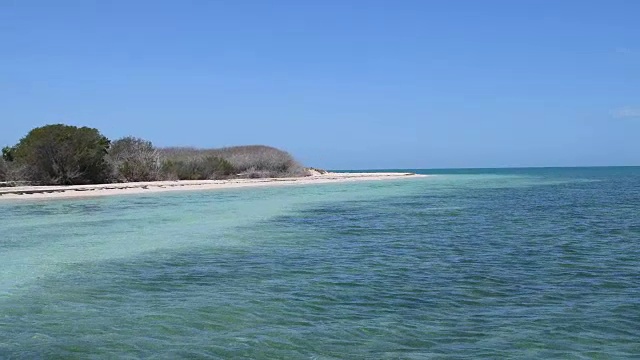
525, 263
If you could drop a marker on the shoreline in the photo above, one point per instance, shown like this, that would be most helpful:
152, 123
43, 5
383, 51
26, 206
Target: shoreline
136, 188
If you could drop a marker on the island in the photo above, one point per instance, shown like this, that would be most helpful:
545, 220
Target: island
63, 161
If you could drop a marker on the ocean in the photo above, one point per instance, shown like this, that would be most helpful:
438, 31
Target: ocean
465, 264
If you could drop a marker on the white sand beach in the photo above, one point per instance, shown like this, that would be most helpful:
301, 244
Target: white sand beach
79, 191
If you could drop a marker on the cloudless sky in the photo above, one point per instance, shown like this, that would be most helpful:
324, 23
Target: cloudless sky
340, 84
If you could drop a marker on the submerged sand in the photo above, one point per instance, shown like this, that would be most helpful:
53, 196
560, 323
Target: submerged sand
76, 191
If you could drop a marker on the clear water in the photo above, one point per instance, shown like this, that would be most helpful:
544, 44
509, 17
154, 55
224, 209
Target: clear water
529, 263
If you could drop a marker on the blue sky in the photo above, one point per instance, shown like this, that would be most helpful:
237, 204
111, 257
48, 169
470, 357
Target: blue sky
340, 84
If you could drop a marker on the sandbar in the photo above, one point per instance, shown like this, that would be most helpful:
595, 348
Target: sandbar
80, 191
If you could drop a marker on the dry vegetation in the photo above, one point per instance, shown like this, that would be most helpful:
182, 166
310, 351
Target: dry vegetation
11, 174
255, 161
134, 159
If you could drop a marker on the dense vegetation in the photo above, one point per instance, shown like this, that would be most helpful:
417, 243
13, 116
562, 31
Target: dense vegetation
68, 155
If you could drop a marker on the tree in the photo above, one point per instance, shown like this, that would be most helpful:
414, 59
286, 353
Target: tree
63, 155
134, 159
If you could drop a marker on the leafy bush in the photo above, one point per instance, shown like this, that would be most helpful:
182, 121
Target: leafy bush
63, 155
134, 159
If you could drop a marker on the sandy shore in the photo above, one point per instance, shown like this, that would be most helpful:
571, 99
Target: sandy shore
77, 191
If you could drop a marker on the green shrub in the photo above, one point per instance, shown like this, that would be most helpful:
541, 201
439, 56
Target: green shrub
63, 155
134, 159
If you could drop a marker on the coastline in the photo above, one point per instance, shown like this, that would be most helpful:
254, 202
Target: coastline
134, 188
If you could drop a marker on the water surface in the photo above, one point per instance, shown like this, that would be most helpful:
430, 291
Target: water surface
524, 263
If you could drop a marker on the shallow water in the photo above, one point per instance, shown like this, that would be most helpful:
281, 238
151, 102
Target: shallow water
529, 263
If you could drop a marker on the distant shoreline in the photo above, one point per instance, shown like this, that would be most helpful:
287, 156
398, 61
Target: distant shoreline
133, 188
